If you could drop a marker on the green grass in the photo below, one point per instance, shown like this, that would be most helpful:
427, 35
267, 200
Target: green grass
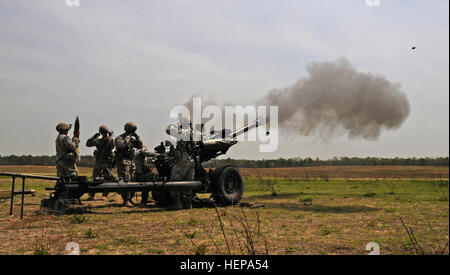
40, 248
129, 240
306, 199
90, 234
78, 219
303, 217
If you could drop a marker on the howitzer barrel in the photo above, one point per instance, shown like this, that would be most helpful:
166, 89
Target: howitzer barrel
222, 134
243, 130
134, 186
247, 127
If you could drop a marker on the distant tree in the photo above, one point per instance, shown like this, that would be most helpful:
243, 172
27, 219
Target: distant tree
88, 161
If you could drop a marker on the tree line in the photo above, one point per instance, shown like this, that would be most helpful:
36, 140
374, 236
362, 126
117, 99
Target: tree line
335, 161
88, 161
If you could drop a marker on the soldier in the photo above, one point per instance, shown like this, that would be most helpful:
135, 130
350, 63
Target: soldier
144, 168
143, 160
66, 151
126, 144
184, 166
104, 155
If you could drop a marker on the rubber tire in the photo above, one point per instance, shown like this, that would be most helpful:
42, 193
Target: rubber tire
221, 193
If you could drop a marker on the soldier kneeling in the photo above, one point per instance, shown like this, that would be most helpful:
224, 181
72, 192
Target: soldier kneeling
144, 169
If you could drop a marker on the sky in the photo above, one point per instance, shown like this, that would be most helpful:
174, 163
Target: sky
113, 61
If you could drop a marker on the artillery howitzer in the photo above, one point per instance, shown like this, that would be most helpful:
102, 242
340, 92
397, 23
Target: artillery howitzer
225, 183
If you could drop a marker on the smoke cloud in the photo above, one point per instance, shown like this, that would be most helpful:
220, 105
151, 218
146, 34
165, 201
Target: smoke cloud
335, 99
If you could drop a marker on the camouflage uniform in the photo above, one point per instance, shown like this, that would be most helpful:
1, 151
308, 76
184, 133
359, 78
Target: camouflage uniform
144, 167
126, 144
184, 166
66, 152
104, 154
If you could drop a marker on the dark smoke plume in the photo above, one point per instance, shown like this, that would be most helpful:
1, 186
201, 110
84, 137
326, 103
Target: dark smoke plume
337, 99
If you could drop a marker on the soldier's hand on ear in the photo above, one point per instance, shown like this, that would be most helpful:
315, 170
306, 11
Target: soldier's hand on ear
97, 135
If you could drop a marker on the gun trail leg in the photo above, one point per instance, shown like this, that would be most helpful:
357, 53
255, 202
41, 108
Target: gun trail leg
12, 196
23, 195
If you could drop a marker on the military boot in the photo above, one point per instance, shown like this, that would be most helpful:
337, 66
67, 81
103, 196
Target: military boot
126, 199
91, 197
127, 203
144, 198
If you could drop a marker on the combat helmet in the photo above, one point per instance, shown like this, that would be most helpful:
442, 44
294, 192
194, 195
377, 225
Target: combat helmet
130, 127
103, 128
62, 126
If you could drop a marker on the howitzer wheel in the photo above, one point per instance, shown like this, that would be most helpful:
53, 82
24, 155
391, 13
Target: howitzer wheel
227, 185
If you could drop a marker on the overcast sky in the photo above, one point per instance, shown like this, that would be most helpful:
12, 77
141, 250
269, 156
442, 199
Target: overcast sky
113, 61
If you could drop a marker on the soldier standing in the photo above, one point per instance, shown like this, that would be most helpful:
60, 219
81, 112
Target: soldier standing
126, 144
104, 155
184, 165
66, 151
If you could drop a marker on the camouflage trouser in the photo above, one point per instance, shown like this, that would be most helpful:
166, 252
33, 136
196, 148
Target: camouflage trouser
126, 169
183, 170
100, 171
66, 166
147, 177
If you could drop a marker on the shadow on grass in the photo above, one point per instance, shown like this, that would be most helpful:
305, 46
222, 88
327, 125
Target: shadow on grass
286, 195
90, 209
318, 208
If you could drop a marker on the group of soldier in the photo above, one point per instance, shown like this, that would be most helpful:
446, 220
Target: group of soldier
131, 157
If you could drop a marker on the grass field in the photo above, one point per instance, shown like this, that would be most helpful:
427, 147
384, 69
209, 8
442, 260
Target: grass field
313, 210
